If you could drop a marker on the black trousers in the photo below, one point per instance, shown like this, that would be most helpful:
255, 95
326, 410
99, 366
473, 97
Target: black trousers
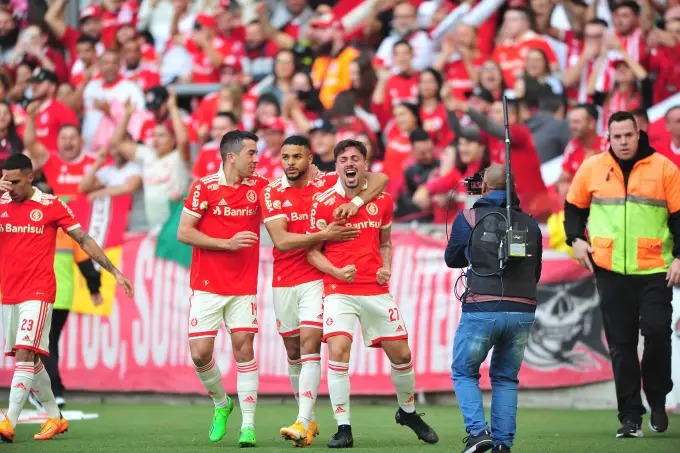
59, 318
631, 304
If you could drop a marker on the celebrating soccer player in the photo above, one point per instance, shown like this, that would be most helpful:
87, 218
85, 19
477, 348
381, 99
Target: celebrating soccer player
355, 285
221, 221
29, 220
297, 286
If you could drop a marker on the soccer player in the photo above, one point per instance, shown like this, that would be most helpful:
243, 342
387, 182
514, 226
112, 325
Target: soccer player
29, 220
221, 221
355, 286
298, 286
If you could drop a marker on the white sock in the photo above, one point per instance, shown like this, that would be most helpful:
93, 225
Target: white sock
42, 389
404, 380
294, 368
310, 376
247, 381
338, 387
211, 378
19, 390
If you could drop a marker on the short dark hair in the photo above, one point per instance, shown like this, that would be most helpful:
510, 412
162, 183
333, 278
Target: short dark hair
620, 117
349, 143
228, 115
598, 21
641, 112
86, 39
297, 140
69, 126
232, 142
269, 98
18, 162
551, 103
418, 135
402, 42
590, 109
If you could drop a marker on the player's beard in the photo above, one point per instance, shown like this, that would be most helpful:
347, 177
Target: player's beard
297, 175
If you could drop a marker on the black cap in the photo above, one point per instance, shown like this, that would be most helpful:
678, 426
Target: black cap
42, 75
156, 96
322, 126
482, 93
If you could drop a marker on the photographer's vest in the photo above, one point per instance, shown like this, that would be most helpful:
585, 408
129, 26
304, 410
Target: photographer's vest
627, 226
518, 279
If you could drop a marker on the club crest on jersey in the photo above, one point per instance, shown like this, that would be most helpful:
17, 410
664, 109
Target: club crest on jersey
276, 204
321, 224
372, 208
36, 215
251, 196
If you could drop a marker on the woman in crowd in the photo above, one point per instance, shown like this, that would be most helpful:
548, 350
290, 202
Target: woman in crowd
432, 110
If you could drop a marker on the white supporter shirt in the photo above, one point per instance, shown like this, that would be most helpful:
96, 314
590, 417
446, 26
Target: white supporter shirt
115, 94
423, 50
164, 178
112, 176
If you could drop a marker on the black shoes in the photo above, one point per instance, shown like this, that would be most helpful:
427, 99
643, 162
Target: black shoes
478, 443
658, 420
501, 448
343, 438
414, 421
629, 428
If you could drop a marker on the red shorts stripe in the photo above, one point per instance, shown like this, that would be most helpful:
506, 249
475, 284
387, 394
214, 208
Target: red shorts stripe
314, 324
207, 333
28, 348
42, 317
375, 343
244, 329
292, 333
335, 334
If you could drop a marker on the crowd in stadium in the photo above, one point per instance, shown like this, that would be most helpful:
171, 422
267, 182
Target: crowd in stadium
419, 82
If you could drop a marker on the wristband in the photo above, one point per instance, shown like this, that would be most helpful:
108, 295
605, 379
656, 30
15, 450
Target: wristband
358, 201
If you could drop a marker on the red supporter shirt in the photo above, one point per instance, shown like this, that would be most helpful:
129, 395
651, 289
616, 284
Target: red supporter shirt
665, 62
526, 166
208, 161
269, 165
52, 116
202, 69
146, 130
512, 56
458, 78
281, 201
363, 251
398, 89
28, 234
112, 21
146, 76
64, 177
671, 151
575, 153
397, 156
436, 124
224, 211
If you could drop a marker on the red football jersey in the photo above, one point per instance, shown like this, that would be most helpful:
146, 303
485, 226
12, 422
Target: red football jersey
202, 70
279, 200
224, 211
363, 251
64, 177
51, 117
575, 153
28, 234
146, 76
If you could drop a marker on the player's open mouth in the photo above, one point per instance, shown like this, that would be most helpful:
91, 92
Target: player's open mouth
351, 173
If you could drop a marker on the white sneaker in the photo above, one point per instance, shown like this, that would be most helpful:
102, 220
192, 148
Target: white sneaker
61, 402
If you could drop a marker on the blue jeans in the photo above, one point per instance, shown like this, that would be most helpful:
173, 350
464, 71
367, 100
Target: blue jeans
477, 332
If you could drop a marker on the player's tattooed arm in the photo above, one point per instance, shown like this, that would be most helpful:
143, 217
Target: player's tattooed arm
97, 255
385, 272
92, 249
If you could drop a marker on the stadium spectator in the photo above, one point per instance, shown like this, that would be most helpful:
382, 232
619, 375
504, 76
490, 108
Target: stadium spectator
460, 60
115, 14
302, 104
395, 87
405, 27
548, 127
671, 148
134, 69
272, 134
424, 167
9, 33
86, 64
90, 24
209, 159
581, 58
357, 98
491, 79
279, 84
322, 136
227, 99
397, 143
537, 81
159, 105
626, 21
33, 45
10, 142
208, 51
664, 48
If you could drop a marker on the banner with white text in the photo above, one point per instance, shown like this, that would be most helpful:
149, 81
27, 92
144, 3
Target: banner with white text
142, 345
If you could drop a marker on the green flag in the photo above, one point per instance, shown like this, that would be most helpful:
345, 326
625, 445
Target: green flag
167, 246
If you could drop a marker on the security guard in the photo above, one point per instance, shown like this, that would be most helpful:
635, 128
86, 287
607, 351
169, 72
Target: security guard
498, 311
630, 197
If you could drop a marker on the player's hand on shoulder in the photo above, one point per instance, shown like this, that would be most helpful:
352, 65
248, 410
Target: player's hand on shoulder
241, 240
345, 211
346, 273
336, 232
383, 275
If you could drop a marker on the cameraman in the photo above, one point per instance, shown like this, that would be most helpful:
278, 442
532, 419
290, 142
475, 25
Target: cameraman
498, 311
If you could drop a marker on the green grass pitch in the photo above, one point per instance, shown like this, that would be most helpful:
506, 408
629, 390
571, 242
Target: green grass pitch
132, 428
